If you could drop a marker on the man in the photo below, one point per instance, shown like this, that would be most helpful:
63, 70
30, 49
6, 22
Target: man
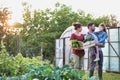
92, 51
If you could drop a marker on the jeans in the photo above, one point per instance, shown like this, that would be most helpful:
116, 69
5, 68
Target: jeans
93, 64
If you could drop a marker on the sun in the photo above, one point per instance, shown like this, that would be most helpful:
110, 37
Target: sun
11, 22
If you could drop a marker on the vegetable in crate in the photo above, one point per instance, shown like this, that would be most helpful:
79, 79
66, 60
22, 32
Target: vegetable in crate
89, 41
76, 44
89, 38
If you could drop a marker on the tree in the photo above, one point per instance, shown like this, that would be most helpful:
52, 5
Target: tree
4, 16
111, 21
42, 27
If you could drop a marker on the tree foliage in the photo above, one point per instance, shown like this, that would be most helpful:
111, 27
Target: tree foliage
4, 16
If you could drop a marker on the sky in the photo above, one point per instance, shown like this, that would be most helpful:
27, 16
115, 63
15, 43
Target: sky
95, 7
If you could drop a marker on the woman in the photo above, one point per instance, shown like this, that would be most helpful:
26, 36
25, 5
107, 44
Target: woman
77, 53
102, 35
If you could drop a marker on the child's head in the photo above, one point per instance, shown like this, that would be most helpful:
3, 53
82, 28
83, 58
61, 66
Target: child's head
102, 27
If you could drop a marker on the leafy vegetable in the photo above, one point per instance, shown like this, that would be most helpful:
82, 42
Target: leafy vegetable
76, 44
89, 37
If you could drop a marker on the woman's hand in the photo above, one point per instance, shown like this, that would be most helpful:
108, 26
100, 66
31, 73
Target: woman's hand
80, 48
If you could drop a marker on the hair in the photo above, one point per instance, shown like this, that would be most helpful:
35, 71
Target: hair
104, 26
77, 25
89, 25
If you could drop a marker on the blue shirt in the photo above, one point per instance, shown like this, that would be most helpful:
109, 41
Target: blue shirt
101, 36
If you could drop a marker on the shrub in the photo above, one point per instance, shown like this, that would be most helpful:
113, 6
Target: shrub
13, 66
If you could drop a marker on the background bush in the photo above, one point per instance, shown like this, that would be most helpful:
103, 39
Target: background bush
13, 66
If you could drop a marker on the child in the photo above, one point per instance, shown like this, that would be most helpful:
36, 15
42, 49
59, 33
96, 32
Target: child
102, 35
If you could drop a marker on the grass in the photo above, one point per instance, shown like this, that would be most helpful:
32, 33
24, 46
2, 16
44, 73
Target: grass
106, 76
111, 76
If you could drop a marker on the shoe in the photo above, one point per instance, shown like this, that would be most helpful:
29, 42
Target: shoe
97, 59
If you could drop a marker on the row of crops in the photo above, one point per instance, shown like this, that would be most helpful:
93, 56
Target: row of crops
21, 68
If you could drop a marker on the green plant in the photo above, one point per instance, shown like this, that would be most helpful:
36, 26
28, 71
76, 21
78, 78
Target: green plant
21, 68
76, 44
89, 38
47, 72
14, 66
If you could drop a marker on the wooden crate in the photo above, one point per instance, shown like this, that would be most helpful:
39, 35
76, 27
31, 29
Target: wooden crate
88, 44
